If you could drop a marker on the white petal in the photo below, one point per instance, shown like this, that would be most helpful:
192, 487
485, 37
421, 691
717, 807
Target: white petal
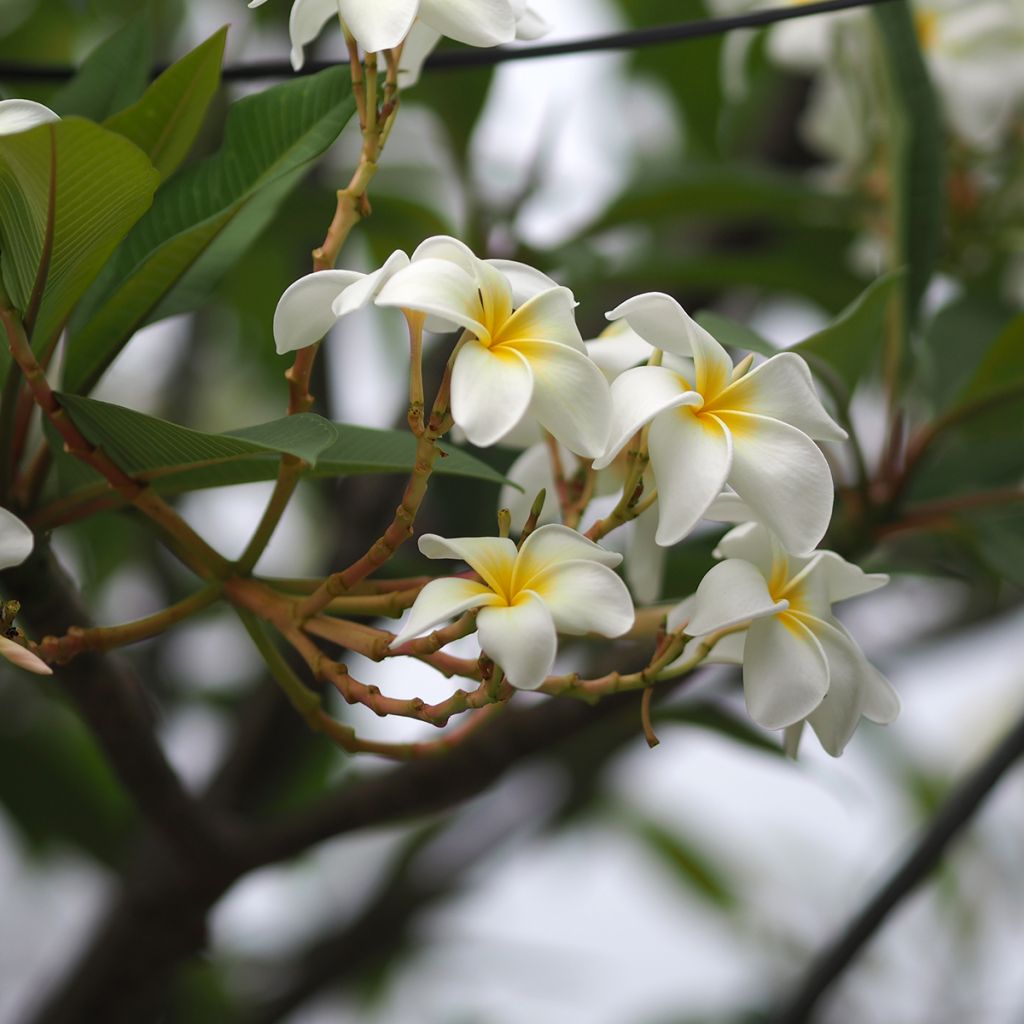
729, 507
16, 540
781, 474
712, 363
304, 314
584, 597
690, 459
645, 558
521, 639
23, 658
419, 43
445, 247
476, 22
530, 25
782, 388
441, 600
731, 592
570, 395
791, 739
491, 389
680, 615
844, 580
20, 115
305, 23
660, 320
618, 348
756, 544
526, 281
638, 395
785, 674
835, 718
547, 316
493, 558
881, 702
380, 24
368, 287
440, 288
728, 650
552, 544
532, 471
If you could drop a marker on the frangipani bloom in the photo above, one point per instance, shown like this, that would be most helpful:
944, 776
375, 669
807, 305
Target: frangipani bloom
15, 546
20, 115
524, 353
557, 582
716, 424
383, 24
799, 662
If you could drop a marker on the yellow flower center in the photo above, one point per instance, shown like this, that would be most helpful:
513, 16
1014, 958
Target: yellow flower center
927, 25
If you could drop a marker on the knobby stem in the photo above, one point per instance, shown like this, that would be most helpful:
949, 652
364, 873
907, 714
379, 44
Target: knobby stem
58, 650
183, 540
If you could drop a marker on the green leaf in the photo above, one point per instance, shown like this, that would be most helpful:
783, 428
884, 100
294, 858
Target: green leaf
69, 192
1002, 369
731, 190
852, 343
694, 869
147, 447
917, 149
165, 122
733, 334
177, 459
112, 76
271, 138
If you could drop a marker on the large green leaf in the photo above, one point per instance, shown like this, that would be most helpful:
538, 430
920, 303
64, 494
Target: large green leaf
178, 459
852, 343
271, 138
165, 122
112, 76
147, 447
917, 151
69, 192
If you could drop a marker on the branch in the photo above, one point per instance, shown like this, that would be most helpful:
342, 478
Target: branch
957, 812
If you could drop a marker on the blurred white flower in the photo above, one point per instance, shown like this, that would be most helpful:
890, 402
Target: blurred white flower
384, 24
20, 115
799, 662
16, 543
557, 582
714, 424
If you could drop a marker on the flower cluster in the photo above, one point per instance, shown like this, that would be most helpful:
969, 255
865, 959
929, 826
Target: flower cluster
654, 407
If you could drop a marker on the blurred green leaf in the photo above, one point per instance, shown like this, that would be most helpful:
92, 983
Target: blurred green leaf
917, 152
56, 785
271, 138
852, 343
998, 536
69, 192
693, 869
112, 76
734, 334
165, 122
1001, 372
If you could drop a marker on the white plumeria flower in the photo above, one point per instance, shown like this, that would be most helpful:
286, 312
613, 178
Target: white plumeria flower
383, 24
799, 662
20, 115
557, 582
16, 543
524, 351
711, 426
422, 39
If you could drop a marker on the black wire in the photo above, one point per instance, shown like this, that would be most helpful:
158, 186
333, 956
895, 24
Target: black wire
473, 58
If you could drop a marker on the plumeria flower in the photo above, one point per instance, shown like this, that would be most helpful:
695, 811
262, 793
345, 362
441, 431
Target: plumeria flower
20, 115
799, 662
615, 349
718, 423
383, 24
557, 582
16, 542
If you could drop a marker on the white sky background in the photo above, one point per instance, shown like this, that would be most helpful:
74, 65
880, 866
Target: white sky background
588, 928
